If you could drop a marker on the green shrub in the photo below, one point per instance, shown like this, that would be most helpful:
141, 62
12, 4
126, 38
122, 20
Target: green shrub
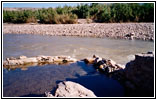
116, 12
66, 19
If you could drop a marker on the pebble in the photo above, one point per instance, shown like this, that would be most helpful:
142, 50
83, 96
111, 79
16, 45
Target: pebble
112, 30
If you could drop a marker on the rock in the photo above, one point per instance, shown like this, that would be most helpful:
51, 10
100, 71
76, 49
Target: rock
22, 57
89, 60
150, 52
101, 67
111, 63
48, 94
112, 30
50, 59
58, 60
5, 63
39, 59
107, 70
11, 58
128, 84
95, 56
71, 60
97, 59
138, 75
104, 65
141, 73
30, 60
130, 35
64, 57
101, 62
119, 66
71, 89
65, 61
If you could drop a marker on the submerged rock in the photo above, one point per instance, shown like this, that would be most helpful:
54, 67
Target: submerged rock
71, 89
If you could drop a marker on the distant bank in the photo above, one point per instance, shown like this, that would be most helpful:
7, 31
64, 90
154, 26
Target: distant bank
140, 31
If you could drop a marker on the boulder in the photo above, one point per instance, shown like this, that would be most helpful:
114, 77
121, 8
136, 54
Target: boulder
139, 74
71, 89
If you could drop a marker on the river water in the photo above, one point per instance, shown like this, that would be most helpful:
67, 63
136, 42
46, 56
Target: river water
37, 79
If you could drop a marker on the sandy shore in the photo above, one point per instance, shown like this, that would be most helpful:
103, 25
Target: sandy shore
142, 31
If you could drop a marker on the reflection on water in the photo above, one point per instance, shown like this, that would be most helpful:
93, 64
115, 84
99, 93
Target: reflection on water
34, 80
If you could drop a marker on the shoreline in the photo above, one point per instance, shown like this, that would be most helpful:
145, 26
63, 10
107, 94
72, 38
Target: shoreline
138, 31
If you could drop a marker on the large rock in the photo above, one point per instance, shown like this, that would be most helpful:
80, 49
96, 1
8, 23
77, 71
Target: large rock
141, 73
138, 75
71, 89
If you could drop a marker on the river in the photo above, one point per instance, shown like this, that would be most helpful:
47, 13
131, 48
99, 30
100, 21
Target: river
37, 79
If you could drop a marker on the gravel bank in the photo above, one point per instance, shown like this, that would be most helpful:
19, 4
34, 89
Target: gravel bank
142, 31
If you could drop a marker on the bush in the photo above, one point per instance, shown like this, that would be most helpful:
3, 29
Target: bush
31, 20
66, 19
19, 16
117, 12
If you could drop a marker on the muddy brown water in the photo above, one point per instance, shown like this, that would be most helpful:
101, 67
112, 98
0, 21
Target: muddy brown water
38, 79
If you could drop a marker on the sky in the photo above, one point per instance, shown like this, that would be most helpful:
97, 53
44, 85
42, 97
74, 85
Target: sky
37, 5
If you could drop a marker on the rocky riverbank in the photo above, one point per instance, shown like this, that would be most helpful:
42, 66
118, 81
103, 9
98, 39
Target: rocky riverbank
142, 31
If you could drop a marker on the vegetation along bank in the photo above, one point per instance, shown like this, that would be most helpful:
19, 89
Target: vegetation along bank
114, 12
